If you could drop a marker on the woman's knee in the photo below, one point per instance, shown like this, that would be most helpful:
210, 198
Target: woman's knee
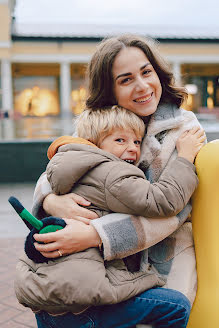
180, 299
178, 305
168, 307
169, 297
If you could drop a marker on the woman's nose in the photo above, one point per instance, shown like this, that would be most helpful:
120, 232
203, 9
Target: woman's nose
141, 84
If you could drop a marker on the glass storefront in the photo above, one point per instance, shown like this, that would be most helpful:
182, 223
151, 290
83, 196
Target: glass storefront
36, 96
36, 89
202, 83
36, 101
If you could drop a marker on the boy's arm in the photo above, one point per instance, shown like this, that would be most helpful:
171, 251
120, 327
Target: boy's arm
128, 192
61, 172
124, 234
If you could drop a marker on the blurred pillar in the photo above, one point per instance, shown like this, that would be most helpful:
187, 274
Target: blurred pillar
8, 129
65, 87
6, 75
177, 72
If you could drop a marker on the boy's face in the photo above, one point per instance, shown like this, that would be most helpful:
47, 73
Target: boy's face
124, 144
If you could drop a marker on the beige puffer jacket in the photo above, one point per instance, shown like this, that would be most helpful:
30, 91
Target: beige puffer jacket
75, 282
113, 185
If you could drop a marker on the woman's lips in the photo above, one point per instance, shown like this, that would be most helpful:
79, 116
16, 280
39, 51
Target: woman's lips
144, 99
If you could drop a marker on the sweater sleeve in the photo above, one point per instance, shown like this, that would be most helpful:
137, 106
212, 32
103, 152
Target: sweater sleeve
42, 189
129, 192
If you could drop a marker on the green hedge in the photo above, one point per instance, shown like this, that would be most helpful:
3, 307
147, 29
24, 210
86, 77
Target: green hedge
23, 161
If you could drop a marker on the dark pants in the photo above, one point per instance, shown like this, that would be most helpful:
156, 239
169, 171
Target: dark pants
158, 306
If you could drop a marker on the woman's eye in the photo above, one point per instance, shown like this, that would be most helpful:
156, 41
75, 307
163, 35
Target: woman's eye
146, 72
126, 80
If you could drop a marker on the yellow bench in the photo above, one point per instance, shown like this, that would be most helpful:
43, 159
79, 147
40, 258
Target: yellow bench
205, 220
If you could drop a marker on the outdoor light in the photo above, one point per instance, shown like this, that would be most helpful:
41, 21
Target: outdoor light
191, 88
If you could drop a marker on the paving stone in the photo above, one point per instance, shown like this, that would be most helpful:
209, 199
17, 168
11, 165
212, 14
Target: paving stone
8, 314
6, 291
27, 318
12, 301
14, 324
12, 236
12, 314
2, 307
11, 224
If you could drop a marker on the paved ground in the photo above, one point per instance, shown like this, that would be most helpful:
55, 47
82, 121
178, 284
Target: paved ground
12, 234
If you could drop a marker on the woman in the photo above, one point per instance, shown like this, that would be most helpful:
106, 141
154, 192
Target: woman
128, 71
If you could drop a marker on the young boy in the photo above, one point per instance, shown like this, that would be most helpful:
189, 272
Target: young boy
104, 175
98, 166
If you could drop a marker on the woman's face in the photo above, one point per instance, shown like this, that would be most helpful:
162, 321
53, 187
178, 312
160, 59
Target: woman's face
136, 84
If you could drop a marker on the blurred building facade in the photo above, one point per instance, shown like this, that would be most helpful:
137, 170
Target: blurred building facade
43, 67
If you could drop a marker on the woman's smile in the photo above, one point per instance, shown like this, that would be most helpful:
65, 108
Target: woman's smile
136, 84
144, 99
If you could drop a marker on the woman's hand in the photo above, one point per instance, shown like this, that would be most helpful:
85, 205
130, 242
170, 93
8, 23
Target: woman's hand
68, 206
190, 142
75, 237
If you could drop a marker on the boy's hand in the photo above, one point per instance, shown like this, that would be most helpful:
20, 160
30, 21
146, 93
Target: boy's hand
190, 142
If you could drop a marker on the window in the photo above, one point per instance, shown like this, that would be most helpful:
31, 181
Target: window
205, 79
35, 88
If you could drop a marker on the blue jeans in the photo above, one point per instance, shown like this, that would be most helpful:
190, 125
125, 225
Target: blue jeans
158, 306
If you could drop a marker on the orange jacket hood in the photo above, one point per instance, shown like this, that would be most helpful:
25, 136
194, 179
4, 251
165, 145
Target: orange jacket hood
64, 140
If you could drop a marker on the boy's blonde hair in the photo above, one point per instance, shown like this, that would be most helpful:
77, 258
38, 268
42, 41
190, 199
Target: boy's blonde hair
95, 125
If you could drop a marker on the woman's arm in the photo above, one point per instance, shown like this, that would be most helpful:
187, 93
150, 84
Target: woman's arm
68, 206
46, 203
77, 235
121, 234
